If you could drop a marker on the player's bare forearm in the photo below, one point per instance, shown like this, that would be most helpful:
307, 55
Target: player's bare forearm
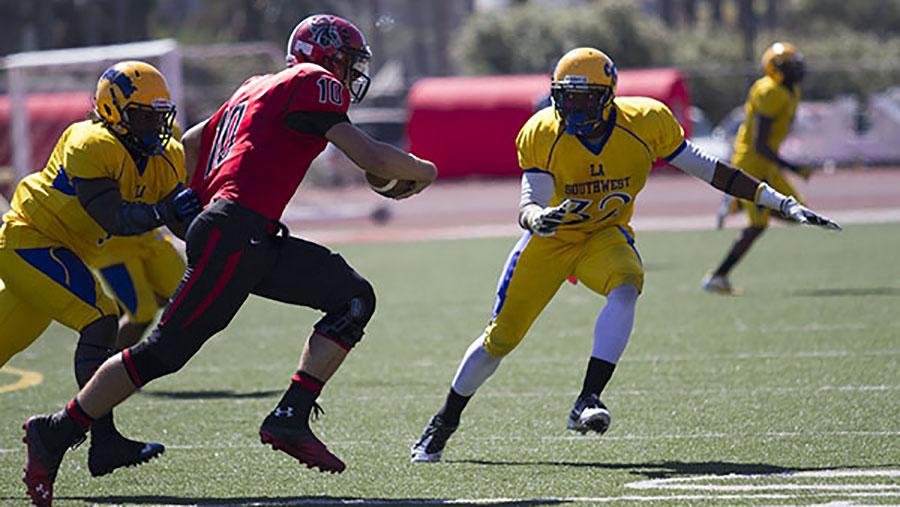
733, 181
378, 158
191, 142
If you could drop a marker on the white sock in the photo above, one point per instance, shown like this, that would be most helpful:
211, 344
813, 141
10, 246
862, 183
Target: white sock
477, 365
613, 326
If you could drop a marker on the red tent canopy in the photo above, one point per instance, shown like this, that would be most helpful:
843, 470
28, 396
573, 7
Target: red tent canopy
48, 116
468, 125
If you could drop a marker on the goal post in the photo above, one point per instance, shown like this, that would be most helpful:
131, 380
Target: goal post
74, 69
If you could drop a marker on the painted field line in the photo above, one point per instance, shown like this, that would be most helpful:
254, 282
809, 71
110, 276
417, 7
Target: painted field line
577, 438
552, 500
26, 379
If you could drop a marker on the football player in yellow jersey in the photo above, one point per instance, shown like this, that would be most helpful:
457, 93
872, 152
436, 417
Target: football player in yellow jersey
769, 112
118, 174
585, 159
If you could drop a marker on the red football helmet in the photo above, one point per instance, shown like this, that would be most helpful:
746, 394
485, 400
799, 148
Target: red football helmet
335, 44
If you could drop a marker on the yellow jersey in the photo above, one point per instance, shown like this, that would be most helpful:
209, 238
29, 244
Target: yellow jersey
47, 202
601, 180
773, 100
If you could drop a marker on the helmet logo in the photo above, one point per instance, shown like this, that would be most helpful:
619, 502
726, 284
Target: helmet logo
609, 69
121, 80
325, 34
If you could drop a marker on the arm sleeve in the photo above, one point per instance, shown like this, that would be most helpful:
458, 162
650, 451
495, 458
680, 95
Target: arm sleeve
103, 202
537, 188
694, 161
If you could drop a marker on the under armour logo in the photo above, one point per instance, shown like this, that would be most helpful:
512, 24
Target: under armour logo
40, 489
286, 412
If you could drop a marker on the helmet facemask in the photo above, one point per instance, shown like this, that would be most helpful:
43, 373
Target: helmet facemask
148, 127
353, 68
793, 70
581, 105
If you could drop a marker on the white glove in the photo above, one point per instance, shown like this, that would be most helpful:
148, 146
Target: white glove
799, 213
544, 221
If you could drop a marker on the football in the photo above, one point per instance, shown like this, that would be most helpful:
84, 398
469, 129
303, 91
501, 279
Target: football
389, 188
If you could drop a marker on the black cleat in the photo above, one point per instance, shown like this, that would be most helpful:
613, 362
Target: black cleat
430, 446
109, 453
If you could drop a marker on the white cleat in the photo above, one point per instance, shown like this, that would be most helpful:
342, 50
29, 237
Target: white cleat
719, 285
430, 446
589, 414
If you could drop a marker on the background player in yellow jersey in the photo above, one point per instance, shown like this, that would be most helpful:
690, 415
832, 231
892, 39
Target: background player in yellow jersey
585, 160
119, 174
769, 112
142, 272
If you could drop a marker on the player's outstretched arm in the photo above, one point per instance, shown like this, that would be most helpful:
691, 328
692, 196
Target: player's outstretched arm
102, 200
378, 158
737, 183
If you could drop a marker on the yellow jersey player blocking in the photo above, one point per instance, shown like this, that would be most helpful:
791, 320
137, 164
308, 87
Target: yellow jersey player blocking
585, 159
769, 112
118, 174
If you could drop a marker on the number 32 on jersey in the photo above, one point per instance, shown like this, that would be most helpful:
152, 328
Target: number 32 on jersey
608, 207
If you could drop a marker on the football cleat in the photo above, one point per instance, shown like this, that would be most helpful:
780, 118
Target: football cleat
106, 454
430, 446
43, 461
719, 285
300, 443
589, 414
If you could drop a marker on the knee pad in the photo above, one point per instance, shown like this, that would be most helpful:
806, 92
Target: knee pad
347, 325
96, 343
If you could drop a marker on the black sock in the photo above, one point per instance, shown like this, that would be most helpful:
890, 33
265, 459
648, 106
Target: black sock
297, 402
730, 260
453, 407
597, 376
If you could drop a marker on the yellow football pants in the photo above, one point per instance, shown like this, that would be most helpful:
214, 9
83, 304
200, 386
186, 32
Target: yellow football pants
537, 266
140, 271
43, 281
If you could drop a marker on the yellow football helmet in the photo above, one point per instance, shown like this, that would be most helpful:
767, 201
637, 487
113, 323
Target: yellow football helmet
782, 62
132, 100
582, 88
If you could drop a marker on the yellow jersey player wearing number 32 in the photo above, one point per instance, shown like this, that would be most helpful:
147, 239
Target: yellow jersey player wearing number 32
585, 159
118, 174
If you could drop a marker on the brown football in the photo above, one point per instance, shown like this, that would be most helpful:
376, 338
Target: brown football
388, 188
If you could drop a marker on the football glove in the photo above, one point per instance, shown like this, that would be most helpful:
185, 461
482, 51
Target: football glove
183, 206
797, 212
545, 221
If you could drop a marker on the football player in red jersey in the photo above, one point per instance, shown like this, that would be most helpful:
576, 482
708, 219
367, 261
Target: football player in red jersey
248, 160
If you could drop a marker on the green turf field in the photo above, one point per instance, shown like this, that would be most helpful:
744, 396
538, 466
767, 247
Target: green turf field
799, 376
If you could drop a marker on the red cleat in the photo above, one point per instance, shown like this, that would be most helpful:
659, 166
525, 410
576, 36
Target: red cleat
42, 465
301, 444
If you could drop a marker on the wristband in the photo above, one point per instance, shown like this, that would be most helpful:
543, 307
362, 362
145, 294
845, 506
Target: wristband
768, 197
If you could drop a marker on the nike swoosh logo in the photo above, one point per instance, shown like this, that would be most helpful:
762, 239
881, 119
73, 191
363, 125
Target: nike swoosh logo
254, 241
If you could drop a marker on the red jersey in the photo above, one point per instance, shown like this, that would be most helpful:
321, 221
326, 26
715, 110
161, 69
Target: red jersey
249, 154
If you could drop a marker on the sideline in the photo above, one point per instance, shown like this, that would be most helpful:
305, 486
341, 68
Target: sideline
26, 379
